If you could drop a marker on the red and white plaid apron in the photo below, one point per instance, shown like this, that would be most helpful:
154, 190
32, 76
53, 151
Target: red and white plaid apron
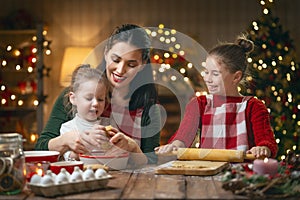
128, 122
224, 127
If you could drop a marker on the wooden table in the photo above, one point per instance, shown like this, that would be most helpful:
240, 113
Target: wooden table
145, 184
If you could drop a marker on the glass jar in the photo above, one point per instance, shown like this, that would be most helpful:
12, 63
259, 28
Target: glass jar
12, 164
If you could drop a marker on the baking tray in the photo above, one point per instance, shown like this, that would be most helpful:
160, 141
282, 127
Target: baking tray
70, 188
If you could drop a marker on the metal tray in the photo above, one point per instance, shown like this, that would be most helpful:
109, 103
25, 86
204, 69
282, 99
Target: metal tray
70, 188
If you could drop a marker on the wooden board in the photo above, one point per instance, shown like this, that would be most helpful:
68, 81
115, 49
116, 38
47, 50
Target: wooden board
191, 167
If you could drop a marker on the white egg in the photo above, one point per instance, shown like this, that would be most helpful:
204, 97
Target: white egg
35, 179
63, 170
76, 168
47, 180
50, 173
61, 178
100, 173
88, 174
76, 176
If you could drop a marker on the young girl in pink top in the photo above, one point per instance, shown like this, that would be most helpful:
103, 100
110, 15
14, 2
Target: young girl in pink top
227, 119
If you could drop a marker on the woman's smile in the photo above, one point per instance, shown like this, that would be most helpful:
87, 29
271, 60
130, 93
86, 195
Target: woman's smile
118, 78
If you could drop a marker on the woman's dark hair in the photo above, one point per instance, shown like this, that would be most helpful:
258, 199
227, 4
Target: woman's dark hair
145, 95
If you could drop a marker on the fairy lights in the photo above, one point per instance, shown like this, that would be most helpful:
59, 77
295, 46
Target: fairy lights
173, 78
8, 48
13, 97
20, 102
30, 69
35, 102
23, 60
190, 65
4, 63
3, 101
173, 57
182, 70
18, 67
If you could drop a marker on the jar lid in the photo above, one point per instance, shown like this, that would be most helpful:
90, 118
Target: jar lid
10, 137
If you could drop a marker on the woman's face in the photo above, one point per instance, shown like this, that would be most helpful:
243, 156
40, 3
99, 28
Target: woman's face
124, 61
218, 79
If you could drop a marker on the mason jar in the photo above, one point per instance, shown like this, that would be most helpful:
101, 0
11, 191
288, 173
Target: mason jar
12, 164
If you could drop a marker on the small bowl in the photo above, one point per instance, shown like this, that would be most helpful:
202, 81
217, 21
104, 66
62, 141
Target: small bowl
38, 156
117, 162
55, 167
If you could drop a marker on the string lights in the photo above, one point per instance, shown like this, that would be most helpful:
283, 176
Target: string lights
171, 55
22, 59
19, 73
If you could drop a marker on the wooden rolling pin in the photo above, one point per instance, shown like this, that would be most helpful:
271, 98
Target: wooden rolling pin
212, 154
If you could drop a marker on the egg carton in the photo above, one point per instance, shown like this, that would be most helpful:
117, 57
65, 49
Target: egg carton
52, 185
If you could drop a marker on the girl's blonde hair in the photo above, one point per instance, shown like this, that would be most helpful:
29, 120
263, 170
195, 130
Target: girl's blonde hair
80, 75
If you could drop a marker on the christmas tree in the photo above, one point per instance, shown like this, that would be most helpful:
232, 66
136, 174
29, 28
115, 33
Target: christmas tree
275, 77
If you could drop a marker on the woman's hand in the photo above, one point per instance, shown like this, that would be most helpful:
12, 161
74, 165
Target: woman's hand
260, 151
65, 142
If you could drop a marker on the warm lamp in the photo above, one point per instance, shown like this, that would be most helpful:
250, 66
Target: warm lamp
73, 57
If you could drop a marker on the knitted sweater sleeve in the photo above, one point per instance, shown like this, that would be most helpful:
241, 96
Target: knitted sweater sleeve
52, 128
189, 124
259, 125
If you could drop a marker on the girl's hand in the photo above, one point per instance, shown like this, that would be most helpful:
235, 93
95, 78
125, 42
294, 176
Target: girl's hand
260, 151
168, 148
95, 137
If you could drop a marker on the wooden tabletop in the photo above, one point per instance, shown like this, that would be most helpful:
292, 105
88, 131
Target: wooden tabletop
145, 184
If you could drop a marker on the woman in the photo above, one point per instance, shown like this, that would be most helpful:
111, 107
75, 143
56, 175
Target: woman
227, 119
133, 97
